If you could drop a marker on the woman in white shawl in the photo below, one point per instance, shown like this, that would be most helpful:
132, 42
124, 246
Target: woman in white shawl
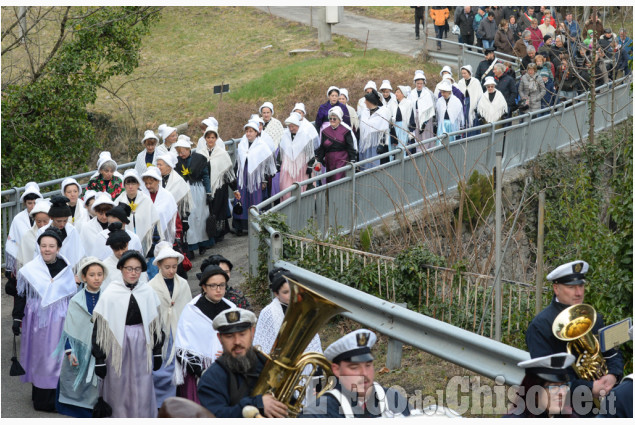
127, 341
492, 105
402, 114
144, 215
169, 136
209, 122
78, 390
221, 178
20, 225
305, 124
449, 111
272, 126
351, 111
93, 240
72, 246
174, 293
373, 128
45, 286
71, 189
421, 122
196, 342
472, 91
28, 245
174, 183
296, 153
148, 156
272, 315
254, 164
361, 103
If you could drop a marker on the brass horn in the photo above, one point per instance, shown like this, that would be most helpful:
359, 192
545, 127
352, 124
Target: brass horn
574, 325
283, 375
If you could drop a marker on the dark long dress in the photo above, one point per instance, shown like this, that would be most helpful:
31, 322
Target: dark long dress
336, 148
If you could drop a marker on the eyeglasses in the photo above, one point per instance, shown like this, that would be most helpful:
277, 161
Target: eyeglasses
333, 119
132, 269
214, 286
553, 389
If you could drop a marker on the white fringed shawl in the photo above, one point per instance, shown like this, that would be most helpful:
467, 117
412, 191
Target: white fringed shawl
171, 306
221, 168
311, 132
476, 91
260, 163
492, 111
180, 190
109, 317
19, 226
296, 153
166, 207
53, 294
425, 105
142, 219
372, 128
274, 128
454, 109
195, 337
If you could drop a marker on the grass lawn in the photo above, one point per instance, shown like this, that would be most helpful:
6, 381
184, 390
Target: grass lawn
192, 49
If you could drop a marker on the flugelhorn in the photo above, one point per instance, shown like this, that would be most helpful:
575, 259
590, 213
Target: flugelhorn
574, 325
283, 375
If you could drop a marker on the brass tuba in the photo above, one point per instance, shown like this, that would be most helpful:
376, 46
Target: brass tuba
283, 375
574, 324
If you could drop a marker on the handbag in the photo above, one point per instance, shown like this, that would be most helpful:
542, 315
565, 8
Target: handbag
456, 30
523, 104
382, 148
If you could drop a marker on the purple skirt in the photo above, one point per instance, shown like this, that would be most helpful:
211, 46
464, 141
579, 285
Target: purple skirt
38, 344
131, 395
188, 389
335, 160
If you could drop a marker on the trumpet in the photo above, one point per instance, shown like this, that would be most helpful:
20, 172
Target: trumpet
282, 374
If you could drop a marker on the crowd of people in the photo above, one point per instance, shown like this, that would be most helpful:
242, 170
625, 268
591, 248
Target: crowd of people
562, 50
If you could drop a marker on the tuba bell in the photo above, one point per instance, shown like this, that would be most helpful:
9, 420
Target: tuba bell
574, 325
282, 374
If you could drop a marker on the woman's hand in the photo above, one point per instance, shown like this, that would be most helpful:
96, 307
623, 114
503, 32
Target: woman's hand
72, 359
237, 195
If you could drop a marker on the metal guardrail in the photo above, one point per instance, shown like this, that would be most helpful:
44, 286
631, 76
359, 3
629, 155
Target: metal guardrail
471, 351
11, 204
366, 197
467, 54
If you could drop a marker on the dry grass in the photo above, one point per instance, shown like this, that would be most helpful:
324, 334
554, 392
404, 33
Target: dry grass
194, 48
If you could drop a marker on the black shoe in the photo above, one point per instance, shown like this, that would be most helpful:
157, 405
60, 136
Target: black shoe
416, 37
201, 251
438, 47
190, 255
239, 232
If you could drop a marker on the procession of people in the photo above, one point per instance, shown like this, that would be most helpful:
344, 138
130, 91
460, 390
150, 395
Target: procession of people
110, 327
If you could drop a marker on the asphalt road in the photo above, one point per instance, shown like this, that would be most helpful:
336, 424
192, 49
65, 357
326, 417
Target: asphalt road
16, 396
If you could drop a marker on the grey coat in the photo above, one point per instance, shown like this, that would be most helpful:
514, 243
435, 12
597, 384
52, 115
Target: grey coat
533, 88
487, 30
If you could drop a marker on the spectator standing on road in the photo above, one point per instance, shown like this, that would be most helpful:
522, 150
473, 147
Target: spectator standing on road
478, 17
521, 45
550, 91
532, 88
507, 86
513, 27
439, 15
504, 39
547, 28
531, 57
509, 11
572, 26
593, 23
625, 52
536, 34
526, 18
465, 21
487, 31
419, 11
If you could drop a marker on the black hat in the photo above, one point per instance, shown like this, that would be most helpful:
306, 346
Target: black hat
59, 207
490, 50
117, 235
31, 196
277, 278
546, 37
53, 232
132, 254
373, 97
121, 211
216, 259
210, 271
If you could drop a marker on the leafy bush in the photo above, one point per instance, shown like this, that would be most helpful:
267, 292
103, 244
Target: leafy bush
479, 198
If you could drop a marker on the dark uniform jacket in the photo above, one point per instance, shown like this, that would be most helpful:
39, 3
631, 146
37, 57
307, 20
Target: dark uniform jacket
224, 395
507, 86
395, 402
542, 342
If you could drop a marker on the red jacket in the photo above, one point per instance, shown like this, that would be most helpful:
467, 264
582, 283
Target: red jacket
536, 37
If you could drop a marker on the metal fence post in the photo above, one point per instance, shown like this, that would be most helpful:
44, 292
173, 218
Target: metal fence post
395, 349
275, 249
297, 192
540, 243
253, 243
351, 173
497, 282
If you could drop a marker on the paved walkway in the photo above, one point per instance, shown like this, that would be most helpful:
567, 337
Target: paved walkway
382, 35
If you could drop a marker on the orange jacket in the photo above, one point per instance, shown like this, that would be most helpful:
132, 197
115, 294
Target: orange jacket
439, 16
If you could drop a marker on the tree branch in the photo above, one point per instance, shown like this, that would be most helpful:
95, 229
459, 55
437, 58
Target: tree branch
56, 47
